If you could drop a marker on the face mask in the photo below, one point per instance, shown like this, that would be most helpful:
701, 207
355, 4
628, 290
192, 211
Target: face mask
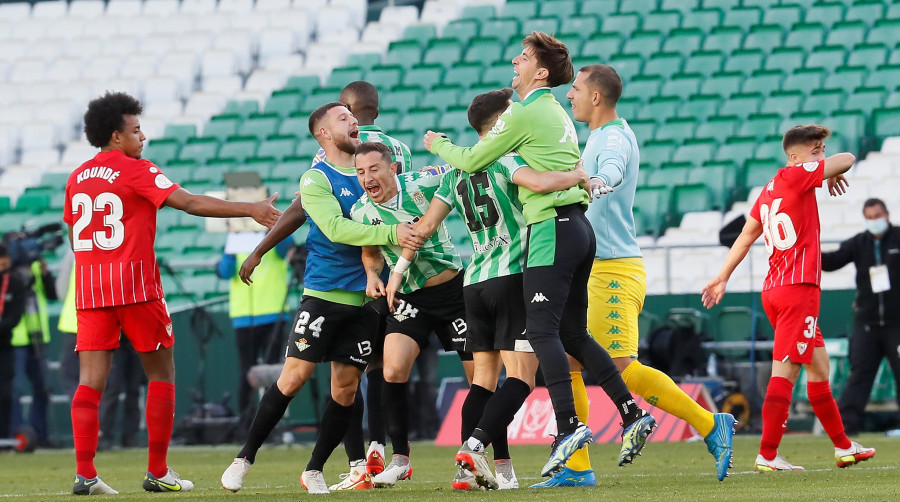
877, 226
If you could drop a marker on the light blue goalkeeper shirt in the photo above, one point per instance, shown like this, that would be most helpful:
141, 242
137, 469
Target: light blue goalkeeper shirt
612, 155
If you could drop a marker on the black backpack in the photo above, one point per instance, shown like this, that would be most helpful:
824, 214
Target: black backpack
675, 349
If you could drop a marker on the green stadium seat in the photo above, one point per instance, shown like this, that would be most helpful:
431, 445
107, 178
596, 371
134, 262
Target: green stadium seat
679, 5
742, 104
584, 25
736, 149
846, 79
260, 126
401, 98
559, 8
886, 76
263, 164
723, 39
444, 51
644, 129
162, 151
460, 29
524, 9
655, 153
662, 20
758, 172
722, 84
32, 202
455, 117
894, 59
291, 168
700, 106
364, 60
805, 36
782, 102
659, 108
423, 33
683, 40
245, 108
441, 97
769, 149
764, 37
799, 118
804, 80
652, 202
784, 57
830, 57
199, 150
893, 12
644, 43
827, 13
628, 107
826, 101
763, 81
213, 171
705, 19
545, 24
385, 77
317, 98
760, 125
846, 34
599, 7
406, 53
294, 126
645, 87
277, 147
477, 12
735, 324
870, 56
405, 136
722, 181
303, 83
342, 76
690, 198
866, 11
849, 124
484, 51
677, 129
388, 119
180, 132
283, 102
501, 71
664, 64
743, 17
704, 62
893, 100
502, 28
695, 150
464, 74
238, 148
745, 61
222, 126
602, 45
885, 31
785, 16
307, 148
624, 23
626, 65
420, 119
513, 48
424, 76
573, 41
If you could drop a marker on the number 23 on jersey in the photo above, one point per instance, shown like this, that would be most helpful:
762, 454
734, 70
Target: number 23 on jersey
113, 233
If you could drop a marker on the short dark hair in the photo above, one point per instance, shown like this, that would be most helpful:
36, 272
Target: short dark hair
552, 55
874, 202
605, 80
369, 147
362, 99
320, 112
105, 115
803, 135
485, 107
4, 251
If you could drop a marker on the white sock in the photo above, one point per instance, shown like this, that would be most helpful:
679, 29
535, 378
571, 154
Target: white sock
475, 444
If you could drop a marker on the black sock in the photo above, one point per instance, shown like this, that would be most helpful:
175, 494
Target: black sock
601, 366
555, 369
353, 439
472, 409
396, 416
373, 401
500, 411
332, 429
271, 408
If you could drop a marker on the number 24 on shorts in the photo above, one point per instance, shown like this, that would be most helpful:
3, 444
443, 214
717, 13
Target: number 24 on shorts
303, 323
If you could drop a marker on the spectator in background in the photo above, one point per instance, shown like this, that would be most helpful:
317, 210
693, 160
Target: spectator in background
29, 341
876, 310
126, 378
13, 293
68, 324
255, 310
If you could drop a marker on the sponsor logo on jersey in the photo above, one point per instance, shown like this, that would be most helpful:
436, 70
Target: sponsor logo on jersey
345, 192
377, 221
539, 297
496, 241
358, 360
301, 344
308, 181
801, 347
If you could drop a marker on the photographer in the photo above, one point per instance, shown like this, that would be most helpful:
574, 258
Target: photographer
13, 292
255, 312
876, 310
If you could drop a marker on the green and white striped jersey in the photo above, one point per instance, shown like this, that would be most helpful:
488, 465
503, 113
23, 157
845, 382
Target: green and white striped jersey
488, 202
415, 191
373, 134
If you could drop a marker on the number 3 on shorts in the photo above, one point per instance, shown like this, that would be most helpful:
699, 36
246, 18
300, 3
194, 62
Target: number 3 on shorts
810, 330
303, 322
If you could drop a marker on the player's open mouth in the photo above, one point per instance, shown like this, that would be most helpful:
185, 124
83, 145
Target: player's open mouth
354, 134
373, 189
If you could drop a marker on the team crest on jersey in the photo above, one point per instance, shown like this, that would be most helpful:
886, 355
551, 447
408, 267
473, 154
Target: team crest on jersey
801, 347
810, 167
419, 197
301, 344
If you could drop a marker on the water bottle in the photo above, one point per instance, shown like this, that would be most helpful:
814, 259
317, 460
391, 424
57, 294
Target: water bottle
712, 366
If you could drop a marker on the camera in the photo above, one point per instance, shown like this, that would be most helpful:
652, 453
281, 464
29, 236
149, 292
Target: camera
26, 246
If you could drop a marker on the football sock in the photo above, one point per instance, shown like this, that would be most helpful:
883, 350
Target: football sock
85, 429
499, 412
826, 410
160, 414
473, 408
659, 390
774, 414
555, 368
353, 439
396, 416
599, 364
271, 408
331, 430
375, 380
580, 460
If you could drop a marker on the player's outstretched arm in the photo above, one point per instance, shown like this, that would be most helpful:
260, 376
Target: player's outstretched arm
714, 291
264, 212
838, 164
292, 219
551, 181
432, 219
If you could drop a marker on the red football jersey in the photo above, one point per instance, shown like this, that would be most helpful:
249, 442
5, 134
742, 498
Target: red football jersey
789, 214
111, 205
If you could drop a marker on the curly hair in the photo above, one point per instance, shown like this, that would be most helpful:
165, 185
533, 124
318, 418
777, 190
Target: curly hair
105, 115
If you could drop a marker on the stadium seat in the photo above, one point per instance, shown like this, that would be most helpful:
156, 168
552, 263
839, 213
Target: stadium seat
464, 74
736, 149
785, 16
442, 96
680, 5
846, 79
763, 81
626, 65
455, 117
425, 76
705, 19
690, 198
420, 119
735, 324
643, 42
584, 25
602, 45
846, 34
238, 148
743, 17
805, 36
741, 104
624, 23
724, 39
830, 57
659, 108
695, 150
277, 146
500, 71
664, 64
764, 37
746, 61
886, 122
644, 129
484, 51
401, 98
683, 40
655, 153
260, 126
645, 87
717, 128
865, 11
501, 28
700, 106
180, 132
782, 102
758, 172
760, 125
443, 51
283, 102
342, 76
652, 204
162, 151
662, 20
385, 77
520, 9
558, 8
421, 32
849, 124
199, 150
870, 56
722, 84
826, 101
827, 13
784, 57
241, 108
769, 149
404, 52
803, 80
705, 62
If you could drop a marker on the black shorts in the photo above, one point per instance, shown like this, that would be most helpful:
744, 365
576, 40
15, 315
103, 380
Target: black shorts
327, 331
440, 309
496, 315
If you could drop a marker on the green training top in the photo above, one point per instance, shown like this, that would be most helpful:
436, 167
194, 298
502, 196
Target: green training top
541, 132
489, 204
415, 191
373, 134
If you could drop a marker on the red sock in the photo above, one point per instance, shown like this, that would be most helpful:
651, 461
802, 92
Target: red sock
160, 418
826, 410
85, 429
774, 414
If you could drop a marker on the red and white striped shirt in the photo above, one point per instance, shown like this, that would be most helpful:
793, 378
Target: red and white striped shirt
111, 204
789, 214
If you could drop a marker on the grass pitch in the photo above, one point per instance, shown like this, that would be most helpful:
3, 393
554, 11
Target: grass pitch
666, 471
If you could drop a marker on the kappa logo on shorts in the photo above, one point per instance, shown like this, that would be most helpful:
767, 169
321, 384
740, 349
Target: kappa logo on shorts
801, 347
614, 299
169, 329
405, 311
539, 297
301, 344
614, 331
614, 285
614, 314
615, 346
